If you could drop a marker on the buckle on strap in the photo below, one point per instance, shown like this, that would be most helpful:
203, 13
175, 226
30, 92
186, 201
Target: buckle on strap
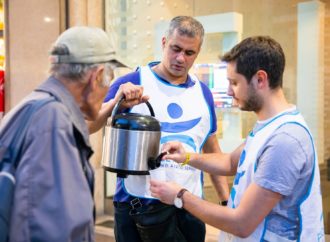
135, 203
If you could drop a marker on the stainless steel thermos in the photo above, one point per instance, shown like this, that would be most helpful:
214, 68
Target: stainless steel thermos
131, 143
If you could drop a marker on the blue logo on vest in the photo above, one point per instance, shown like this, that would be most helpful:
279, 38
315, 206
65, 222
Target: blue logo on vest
175, 112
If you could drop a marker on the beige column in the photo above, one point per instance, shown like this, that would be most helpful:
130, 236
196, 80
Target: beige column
310, 69
86, 12
95, 15
77, 12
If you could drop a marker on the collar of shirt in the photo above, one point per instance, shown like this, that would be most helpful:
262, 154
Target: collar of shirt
58, 90
189, 82
261, 124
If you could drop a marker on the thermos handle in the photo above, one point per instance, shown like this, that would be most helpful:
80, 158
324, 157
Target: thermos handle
122, 99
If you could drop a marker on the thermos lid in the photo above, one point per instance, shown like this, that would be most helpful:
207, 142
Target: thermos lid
135, 121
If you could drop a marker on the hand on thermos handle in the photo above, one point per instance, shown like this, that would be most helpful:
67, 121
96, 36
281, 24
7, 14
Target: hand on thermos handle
133, 95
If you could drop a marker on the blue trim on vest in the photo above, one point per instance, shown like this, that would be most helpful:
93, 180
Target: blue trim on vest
232, 196
132, 197
255, 166
212, 117
208, 97
242, 158
182, 138
312, 178
311, 181
296, 112
124, 196
188, 83
264, 230
213, 126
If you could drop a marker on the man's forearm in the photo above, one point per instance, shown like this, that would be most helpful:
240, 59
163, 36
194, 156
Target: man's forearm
213, 163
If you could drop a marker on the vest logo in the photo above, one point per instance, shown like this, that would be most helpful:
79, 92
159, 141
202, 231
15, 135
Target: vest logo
175, 111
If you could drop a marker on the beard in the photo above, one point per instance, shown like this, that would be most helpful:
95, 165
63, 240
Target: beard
253, 101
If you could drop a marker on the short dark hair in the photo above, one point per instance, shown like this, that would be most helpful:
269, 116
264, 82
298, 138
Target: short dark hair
186, 25
258, 53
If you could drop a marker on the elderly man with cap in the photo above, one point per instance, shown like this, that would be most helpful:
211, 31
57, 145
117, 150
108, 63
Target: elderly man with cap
53, 198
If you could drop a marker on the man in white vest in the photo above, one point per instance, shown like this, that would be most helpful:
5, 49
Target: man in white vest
276, 194
185, 108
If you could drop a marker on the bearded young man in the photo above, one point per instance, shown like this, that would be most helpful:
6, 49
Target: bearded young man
276, 192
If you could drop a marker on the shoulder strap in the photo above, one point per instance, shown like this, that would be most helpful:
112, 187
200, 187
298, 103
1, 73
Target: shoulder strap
15, 144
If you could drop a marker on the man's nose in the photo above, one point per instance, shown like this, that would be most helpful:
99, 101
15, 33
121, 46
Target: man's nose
180, 57
230, 91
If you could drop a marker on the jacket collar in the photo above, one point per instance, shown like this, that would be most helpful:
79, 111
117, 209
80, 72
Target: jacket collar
55, 88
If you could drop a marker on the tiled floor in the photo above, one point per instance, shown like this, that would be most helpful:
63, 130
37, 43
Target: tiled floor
104, 238
105, 234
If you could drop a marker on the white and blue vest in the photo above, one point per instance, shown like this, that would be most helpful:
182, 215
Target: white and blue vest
184, 116
311, 214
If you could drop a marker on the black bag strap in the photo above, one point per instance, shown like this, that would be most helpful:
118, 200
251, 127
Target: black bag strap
16, 143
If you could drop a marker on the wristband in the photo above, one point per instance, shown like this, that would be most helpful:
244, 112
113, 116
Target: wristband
187, 159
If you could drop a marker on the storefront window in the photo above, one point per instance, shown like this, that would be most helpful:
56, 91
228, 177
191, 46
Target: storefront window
301, 27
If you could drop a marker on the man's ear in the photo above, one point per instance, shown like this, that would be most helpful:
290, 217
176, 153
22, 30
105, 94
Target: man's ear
163, 42
96, 77
262, 79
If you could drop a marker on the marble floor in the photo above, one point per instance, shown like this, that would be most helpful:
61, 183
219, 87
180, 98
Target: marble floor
105, 234
104, 231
